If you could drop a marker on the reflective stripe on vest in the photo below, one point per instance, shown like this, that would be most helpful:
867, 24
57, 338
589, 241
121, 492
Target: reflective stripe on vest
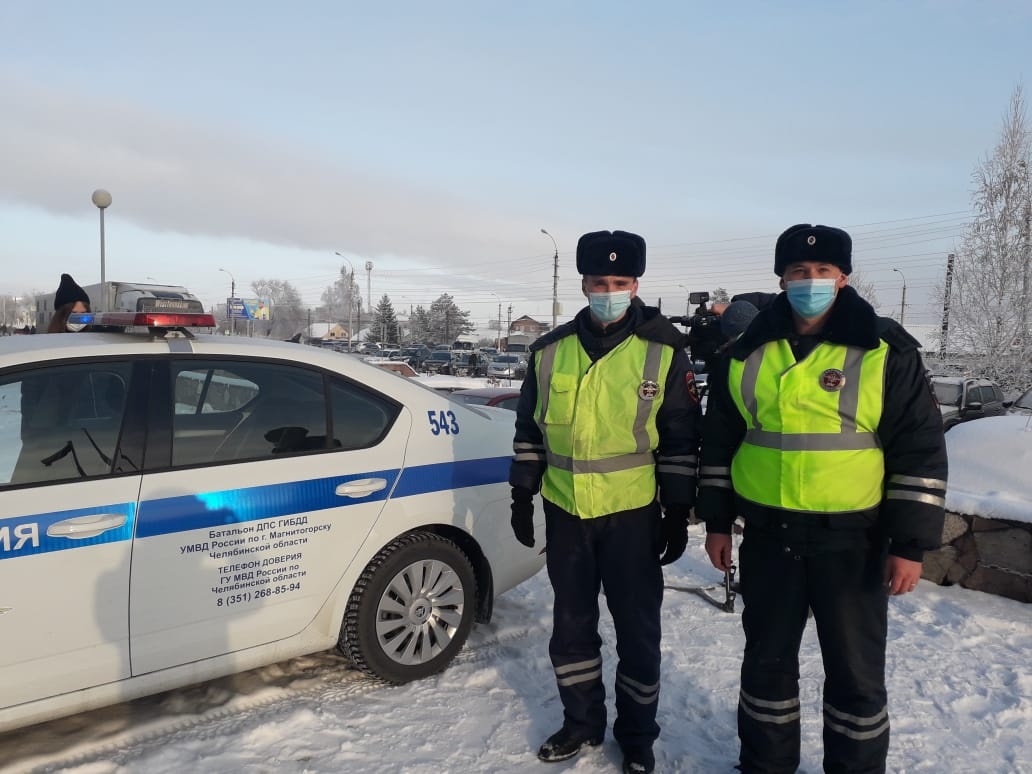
598, 421
811, 439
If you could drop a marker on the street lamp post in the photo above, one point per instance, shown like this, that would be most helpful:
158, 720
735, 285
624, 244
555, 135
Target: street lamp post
555, 279
351, 297
230, 320
102, 200
903, 298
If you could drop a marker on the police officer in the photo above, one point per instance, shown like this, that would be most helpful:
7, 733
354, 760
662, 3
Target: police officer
822, 433
607, 414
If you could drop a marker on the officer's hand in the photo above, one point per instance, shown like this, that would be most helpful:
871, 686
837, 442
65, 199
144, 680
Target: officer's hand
523, 515
674, 528
718, 548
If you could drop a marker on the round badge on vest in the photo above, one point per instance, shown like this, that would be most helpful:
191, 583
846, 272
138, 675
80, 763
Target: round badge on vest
648, 390
832, 380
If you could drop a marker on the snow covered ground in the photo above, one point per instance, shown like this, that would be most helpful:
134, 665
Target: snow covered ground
960, 692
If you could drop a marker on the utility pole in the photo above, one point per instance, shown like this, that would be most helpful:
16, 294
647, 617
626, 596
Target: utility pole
903, 297
369, 285
498, 345
946, 307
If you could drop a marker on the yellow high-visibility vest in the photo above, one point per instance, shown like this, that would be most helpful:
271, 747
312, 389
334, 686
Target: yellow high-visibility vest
598, 421
811, 439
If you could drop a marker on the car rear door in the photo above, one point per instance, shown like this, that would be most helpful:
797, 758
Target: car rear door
68, 504
246, 531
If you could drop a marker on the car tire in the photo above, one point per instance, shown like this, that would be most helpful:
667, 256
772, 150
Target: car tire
411, 609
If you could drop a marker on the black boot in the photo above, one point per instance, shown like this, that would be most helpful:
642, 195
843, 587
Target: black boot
639, 760
564, 744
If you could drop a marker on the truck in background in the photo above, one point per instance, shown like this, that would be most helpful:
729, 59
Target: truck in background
519, 343
127, 297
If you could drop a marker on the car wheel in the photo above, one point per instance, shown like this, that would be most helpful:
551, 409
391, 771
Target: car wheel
411, 610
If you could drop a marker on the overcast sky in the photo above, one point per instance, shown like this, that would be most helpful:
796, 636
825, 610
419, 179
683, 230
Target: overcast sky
436, 140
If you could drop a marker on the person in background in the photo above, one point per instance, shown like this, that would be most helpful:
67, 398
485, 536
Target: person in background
69, 299
608, 413
822, 433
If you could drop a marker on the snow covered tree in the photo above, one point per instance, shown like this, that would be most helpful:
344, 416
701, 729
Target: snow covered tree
861, 285
419, 326
447, 321
989, 304
288, 314
384, 325
342, 301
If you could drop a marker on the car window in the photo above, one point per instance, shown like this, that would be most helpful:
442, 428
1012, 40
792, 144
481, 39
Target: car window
947, 393
509, 403
985, 394
229, 412
360, 418
61, 423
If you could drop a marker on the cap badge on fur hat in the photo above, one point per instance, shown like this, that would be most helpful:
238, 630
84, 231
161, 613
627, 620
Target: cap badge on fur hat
811, 240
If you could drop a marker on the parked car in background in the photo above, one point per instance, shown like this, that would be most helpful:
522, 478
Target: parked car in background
507, 366
174, 509
414, 356
439, 362
1022, 405
503, 397
963, 398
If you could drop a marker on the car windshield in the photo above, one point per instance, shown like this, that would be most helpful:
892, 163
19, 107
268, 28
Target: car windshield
1025, 401
440, 355
947, 393
507, 359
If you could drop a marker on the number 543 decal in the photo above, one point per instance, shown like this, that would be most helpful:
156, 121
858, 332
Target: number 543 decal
443, 422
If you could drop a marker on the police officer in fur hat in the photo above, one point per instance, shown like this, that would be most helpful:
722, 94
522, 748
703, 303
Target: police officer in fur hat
69, 299
608, 417
821, 432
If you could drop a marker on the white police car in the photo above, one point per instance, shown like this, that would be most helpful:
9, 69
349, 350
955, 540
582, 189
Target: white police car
175, 507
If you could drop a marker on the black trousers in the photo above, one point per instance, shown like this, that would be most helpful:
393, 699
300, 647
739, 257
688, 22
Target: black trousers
845, 589
620, 554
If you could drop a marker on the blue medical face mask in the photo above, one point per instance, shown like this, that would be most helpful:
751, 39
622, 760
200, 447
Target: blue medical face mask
810, 297
609, 307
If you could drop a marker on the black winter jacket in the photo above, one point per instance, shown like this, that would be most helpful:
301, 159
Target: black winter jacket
678, 420
910, 433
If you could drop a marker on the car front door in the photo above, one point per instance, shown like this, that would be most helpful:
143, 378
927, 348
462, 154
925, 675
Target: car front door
275, 476
68, 503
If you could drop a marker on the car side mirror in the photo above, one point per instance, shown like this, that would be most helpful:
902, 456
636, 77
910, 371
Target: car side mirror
975, 405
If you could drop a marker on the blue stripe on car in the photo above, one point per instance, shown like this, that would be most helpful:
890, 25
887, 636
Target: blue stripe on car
209, 510
15, 531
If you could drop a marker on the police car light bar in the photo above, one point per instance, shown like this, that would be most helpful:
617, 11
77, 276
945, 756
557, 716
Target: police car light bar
148, 319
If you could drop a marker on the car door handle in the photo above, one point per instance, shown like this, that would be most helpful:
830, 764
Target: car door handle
361, 487
82, 527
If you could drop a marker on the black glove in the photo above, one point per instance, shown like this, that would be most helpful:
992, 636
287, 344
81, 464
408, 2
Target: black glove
523, 516
674, 530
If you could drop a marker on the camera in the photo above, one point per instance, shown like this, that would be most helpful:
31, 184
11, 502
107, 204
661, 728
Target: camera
704, 337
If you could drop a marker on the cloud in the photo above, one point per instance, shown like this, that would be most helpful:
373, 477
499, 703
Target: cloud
168, 174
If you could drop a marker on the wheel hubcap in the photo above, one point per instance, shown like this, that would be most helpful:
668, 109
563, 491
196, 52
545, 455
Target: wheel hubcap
419, 612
